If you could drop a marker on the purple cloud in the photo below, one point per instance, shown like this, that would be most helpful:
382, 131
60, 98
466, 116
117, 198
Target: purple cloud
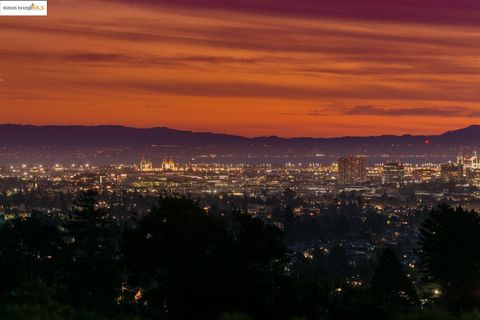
459, 12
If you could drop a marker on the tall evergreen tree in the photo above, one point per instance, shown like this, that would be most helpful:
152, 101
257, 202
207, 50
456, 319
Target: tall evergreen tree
93, 262
390, 283
450, 254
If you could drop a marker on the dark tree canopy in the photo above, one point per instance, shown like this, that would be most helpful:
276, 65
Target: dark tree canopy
29, 249
179, 261
188, 264
450, 254
390, 283
92, 267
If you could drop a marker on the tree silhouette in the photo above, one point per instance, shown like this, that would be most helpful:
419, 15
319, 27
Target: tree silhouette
188, 264
29, 249
390, 282
172, 257
92, 263
289, 222
289, 197
450, 254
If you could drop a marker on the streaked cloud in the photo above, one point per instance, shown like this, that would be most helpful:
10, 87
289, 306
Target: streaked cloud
435, 111
459, 12
246, 67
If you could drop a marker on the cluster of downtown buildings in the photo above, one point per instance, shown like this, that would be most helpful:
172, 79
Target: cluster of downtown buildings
409, 185
353, 170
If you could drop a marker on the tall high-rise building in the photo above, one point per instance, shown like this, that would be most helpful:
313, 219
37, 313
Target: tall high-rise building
393, 173
460, 158
351, 170
475, 161
168, 164
468, 162
451, 171
473, 176
465, 167
146, 165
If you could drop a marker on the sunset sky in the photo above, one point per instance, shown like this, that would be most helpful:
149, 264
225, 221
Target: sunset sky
252, 67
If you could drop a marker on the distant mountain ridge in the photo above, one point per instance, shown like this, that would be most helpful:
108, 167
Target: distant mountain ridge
113, 135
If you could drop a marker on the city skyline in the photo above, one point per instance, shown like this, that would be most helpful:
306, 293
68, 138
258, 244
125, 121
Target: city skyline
310, 69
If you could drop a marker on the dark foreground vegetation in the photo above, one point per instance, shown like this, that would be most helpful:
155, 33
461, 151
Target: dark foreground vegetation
182, 262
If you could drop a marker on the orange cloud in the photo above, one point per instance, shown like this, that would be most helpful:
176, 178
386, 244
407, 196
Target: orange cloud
231, 69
